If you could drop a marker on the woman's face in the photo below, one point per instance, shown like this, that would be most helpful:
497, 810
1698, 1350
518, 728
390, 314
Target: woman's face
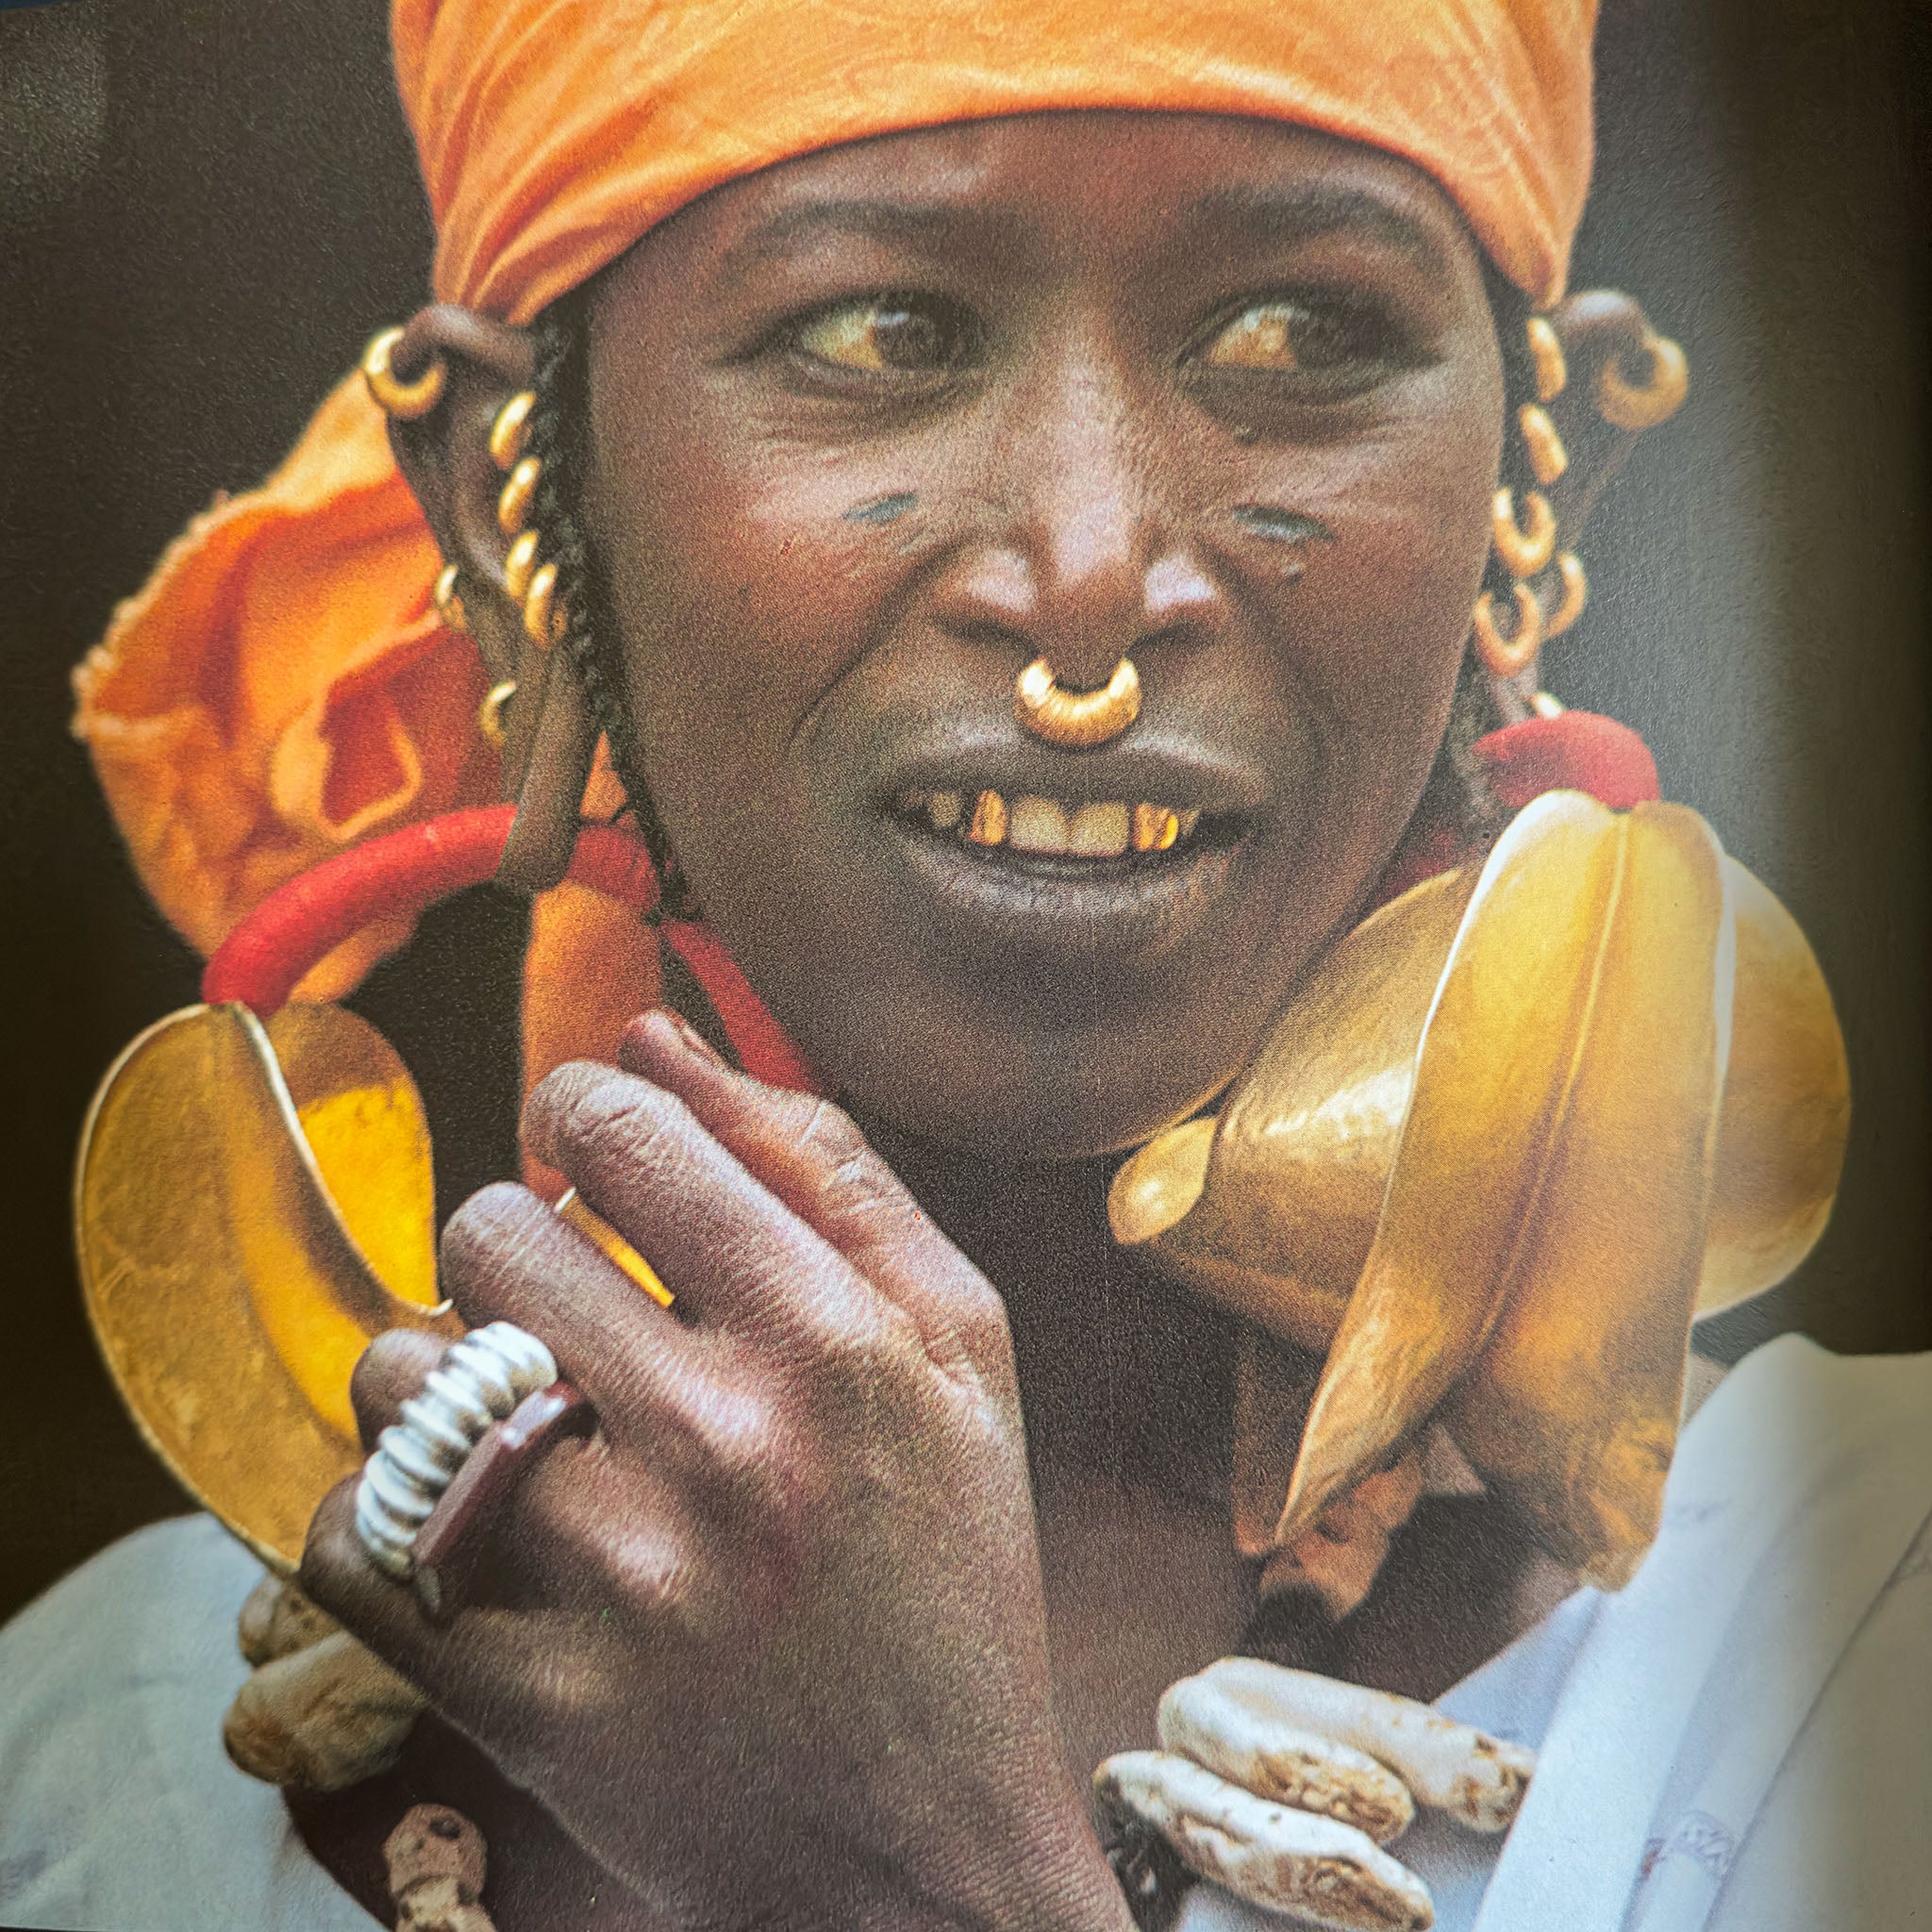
873, 429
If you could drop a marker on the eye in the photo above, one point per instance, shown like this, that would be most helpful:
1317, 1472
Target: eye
886, 335
1266, 336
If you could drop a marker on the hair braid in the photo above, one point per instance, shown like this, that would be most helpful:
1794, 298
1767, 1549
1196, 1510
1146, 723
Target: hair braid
559, 437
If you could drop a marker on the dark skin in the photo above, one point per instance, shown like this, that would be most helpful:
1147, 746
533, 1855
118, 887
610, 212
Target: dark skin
813, 1633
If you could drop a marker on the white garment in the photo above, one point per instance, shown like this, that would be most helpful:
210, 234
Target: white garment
1741, 1741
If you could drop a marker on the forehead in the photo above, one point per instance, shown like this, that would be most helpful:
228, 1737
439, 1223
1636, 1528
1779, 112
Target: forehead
1075, 180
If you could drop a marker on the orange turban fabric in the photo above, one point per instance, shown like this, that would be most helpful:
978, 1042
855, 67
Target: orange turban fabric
282, 687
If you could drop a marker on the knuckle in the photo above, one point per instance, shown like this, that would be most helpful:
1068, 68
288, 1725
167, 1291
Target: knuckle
619, 1120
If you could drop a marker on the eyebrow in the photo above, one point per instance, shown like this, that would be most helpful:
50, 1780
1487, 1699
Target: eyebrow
901, 224
1307, 210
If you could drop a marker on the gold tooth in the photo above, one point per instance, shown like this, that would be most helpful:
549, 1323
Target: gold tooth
1155, 829
989, 827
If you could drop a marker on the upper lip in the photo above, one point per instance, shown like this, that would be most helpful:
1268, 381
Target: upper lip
1169, 768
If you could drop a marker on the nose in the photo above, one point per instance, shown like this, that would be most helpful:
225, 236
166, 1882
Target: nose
1081, 563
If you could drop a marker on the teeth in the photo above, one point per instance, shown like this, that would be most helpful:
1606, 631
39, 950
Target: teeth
1155, 828
1098, 828
989, 827
1037, 825
1099, 831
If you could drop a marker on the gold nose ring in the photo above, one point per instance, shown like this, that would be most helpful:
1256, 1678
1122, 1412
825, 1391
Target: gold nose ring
1076, 719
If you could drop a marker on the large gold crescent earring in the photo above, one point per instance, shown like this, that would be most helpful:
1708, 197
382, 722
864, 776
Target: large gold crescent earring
1507, 656
1077, 720
403, 402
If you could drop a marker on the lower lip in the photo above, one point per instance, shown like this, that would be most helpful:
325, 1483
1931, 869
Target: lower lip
1009, 913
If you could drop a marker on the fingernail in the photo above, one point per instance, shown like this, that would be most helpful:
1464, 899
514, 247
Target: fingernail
693, 1041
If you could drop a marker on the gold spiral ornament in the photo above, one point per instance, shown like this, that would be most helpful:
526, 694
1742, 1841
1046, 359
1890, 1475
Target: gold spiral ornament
1523, 552
1077, 720
1644, 405
1507, 656
401, 401
543, 619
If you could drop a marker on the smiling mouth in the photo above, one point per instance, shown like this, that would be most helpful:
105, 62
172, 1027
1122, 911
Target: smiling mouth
1076, 835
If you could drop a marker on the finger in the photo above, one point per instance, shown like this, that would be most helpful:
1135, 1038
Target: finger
506, 1256
723, 1242
388, 1371
812, 1155
504, 1676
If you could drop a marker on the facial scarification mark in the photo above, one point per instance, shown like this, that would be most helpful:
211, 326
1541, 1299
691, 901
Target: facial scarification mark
1280, 525
882, 509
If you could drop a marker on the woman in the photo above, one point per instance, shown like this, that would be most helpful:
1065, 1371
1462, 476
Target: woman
876, 359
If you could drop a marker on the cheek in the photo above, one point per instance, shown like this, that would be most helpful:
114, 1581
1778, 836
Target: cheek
1385, 606
744, 595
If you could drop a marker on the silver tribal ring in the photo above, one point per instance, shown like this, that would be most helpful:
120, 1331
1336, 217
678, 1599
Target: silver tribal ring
480, 1379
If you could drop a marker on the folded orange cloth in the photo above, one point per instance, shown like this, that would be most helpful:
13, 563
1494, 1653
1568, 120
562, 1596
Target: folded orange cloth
282, 688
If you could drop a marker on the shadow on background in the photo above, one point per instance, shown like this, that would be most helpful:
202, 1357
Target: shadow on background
206, 206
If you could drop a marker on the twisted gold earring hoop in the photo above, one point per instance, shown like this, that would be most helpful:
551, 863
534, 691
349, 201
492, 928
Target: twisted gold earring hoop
511, 428
1575, 596
402, 402
1546, 354
1077, 720
1642, 406
490, 712
1502, 656
1523, 552
449, 603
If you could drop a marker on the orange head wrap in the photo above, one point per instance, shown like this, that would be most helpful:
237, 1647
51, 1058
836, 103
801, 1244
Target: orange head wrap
282, 689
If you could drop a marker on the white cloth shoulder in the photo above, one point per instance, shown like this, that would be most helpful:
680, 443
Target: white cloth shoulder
1741, 1740
118, 1810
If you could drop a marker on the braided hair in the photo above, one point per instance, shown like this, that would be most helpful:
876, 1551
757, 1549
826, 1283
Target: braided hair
558, 437
1456, 794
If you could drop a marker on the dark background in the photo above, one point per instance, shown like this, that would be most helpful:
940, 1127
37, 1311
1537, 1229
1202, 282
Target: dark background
206, 206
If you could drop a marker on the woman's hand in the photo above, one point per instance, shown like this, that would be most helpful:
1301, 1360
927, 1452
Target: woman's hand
771, 1644
1284, 1787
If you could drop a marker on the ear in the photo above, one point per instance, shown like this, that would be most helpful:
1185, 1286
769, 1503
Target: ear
1601, 375
444, 456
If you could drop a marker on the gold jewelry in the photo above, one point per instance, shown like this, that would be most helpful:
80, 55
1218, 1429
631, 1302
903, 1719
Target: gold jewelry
449, 605
513, 505
1575, 596
1506, 657
1546, 352
1548, 459
1523, 552
543, 621
403, 402
519, 564
1643, 406
1546, 706
510, 429
490, 712
1078, 719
